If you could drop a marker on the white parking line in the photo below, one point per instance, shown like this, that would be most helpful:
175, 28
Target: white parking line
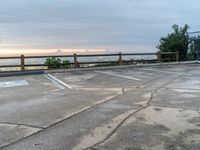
117, 75
56, 81
162, 71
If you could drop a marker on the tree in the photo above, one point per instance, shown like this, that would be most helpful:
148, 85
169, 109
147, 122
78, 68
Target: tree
178, 40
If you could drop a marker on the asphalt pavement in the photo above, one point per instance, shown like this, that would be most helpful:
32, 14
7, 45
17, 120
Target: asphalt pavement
144, 108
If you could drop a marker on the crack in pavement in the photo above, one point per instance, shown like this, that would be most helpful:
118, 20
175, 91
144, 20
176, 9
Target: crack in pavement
18, 124
141, 85
135, 112
102, 102
69, 117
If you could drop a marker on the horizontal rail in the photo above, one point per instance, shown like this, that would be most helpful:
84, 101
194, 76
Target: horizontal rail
97, 55
76, 63
168, 53
141, 54
10, 66
68, 56
16, 57
47, 56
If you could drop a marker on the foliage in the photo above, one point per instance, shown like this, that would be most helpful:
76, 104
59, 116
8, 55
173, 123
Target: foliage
195, 46
178, 40
53, 62
66, 64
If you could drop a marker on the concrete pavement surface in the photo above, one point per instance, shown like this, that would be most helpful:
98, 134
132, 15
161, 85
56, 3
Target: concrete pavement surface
146, 108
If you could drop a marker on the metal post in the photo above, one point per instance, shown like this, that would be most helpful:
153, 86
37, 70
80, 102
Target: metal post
120, 59
177, 56
76, 61
22, 63
159, 56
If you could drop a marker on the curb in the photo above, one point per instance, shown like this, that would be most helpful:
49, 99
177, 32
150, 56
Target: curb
118, 67
21, 73
37, 72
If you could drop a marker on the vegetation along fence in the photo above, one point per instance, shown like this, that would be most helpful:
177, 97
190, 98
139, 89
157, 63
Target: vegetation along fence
76, 62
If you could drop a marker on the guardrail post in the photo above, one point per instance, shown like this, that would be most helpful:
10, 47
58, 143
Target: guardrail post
120, 59
76, 61
22, 63
159, 56
177, 56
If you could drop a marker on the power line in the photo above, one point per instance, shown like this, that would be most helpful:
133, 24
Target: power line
195, 32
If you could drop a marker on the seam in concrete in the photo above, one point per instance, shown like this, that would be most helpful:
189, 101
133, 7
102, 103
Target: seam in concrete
69, 117
89, 108
18, 124
123, 91
140, 85
125, 119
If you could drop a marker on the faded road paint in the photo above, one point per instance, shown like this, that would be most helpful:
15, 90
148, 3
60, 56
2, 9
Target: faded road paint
13, 83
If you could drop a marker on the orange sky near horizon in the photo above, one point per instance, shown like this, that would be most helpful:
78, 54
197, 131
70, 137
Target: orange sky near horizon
49, 51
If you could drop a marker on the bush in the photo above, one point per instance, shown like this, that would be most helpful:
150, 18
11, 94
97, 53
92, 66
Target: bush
178, 40
53, 62
66, 64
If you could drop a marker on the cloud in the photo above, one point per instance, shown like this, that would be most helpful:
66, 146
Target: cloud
129, 25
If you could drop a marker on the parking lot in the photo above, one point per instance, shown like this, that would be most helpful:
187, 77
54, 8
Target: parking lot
140, 108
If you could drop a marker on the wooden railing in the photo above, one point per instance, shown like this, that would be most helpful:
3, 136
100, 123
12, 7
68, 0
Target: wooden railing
76, 63
160, 54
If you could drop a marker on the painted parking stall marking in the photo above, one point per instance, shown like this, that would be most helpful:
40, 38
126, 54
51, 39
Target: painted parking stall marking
117, 75
17, 83
56, 81
163, 71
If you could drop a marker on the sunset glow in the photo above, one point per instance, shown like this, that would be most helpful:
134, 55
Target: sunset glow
49, 52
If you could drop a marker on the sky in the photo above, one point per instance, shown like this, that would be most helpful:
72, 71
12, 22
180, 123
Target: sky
37, 26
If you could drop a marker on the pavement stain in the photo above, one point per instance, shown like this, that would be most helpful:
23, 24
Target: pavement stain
20, 131
151, 127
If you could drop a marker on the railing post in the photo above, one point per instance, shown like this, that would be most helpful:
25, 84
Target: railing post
22, 63
159, 56
120, 59
177, 56
76, 61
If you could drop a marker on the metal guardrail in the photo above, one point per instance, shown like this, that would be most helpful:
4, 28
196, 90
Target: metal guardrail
76, 63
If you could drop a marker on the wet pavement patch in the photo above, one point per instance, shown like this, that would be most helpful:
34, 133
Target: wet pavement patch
146, 108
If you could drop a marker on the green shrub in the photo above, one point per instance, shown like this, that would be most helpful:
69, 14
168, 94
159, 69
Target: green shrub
66, 64
53, 62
